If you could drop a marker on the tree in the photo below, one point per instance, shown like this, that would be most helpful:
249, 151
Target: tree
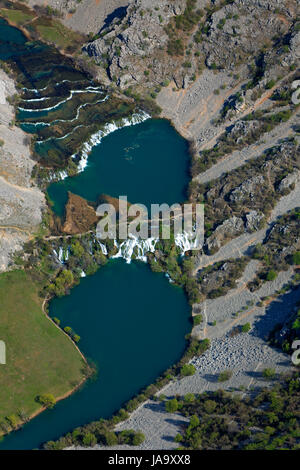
296, 258
111, 438
12, 420
271, 276
77, 249
76, 338
210, 406
269, 373
46, 399
138, 438
188, 369
89, 440
225, 375
189, 398
171, 405
197, 319
194, 421
246, 328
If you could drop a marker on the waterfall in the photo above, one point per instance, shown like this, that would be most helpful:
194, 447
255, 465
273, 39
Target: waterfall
65, 120
57, 176
103, 248
186, 242
96, 138
62, 255
51, 108
134, 245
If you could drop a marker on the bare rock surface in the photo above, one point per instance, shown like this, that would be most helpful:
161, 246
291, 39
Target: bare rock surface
21, 202
86, 16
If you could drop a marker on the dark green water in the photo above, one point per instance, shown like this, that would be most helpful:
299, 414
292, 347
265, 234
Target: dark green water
147, 162
132, 323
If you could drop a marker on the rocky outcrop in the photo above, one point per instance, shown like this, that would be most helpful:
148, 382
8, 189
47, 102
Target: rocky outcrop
254, 221
240, 29
85, 16
21, 202
135, 49
141, 35
230, 228
289, 180
247, 189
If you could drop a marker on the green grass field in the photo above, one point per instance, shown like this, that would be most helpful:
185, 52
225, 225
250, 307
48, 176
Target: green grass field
40, 358
16, 16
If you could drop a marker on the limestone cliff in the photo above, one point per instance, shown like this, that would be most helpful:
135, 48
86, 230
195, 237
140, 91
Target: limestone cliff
21, 202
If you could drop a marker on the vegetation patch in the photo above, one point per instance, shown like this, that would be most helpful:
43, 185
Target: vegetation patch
40, 359
221, 421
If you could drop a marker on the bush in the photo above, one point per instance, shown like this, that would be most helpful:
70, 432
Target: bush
46, 399
210, 406
187, 369
269, 373
138, 438
271, 276
171, 405
89, 440
296, 257
225, 375
110, 438
197, 319
270, 84
246, 328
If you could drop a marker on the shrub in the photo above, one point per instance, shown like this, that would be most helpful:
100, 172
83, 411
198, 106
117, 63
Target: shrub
89, 440
270, 84
138, 438
187, 369
210, 406
269, 373
246, 328
271, 276
12, 420
296, 257
46, 399
225, 375
171, 405
110, 438
197, 319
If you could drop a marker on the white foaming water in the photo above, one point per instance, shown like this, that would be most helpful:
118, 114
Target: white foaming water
186, 242
103, 248
96, 138
62, 255
135, 245
72, 92
37, 90
38, 99
66, 120
39, 142
57, 176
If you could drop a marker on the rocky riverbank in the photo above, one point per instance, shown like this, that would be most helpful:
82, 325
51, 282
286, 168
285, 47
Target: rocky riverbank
21, 202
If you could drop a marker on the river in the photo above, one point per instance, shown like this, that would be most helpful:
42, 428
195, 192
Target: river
132, 322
